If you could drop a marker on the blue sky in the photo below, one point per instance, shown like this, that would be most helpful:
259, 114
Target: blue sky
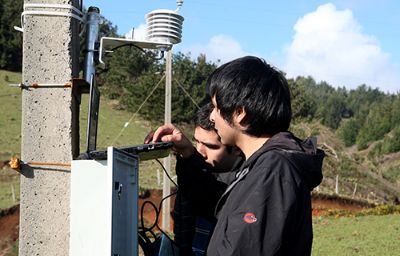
343, 42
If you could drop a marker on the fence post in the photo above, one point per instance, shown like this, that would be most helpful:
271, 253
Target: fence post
337, 185
13, 193
355, 190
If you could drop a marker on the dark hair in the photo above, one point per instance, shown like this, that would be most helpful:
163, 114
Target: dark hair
202, 117
202, 120
262, 91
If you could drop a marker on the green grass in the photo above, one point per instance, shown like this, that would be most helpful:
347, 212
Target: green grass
10, 139
366, 235
10, 117
111, 131
9, 188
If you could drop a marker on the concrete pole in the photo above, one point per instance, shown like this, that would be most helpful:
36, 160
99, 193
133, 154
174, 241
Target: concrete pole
167, 161
50, 55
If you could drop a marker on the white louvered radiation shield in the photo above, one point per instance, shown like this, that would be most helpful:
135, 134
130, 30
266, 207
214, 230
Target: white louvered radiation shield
164, 26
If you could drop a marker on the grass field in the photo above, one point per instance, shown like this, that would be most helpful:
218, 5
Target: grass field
10, 118
366, 235
9, 188
10, 140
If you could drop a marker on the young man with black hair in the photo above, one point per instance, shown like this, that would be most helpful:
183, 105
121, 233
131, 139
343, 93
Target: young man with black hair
266, 210
192, 230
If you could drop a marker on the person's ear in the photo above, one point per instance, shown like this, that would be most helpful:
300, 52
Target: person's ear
240, 116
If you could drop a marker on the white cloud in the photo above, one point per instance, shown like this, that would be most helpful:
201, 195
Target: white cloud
219, 47
139, 33
330, 45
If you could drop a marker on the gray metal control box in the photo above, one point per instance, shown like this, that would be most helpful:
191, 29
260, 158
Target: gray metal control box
104, 205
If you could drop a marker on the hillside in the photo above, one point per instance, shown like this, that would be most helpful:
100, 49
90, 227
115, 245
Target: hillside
358, 176
375, 179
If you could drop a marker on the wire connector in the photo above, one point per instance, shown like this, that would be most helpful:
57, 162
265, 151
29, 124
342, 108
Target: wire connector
15, 164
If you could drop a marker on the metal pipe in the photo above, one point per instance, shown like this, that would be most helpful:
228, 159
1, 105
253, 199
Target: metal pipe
92, 33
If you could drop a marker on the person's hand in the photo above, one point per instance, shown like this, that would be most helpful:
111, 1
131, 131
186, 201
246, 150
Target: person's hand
169, 132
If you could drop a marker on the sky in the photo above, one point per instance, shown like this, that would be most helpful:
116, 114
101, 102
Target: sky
345, 43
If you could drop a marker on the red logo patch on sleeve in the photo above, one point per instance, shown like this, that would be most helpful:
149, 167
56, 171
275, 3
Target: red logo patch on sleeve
249, 218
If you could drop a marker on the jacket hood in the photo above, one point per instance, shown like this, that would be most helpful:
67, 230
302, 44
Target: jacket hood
304, 155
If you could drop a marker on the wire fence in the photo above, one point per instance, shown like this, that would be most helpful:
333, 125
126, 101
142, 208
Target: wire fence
338, 185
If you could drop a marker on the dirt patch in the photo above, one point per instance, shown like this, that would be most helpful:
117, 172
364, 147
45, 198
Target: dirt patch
149, 213
9, 227
323, 204
321, 207
4, 164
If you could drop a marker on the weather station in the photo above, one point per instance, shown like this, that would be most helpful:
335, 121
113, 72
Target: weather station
104, 183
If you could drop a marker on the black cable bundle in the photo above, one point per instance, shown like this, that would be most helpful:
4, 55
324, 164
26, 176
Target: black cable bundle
149, 241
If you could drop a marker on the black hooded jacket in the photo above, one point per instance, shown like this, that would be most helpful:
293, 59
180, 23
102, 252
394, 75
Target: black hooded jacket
267, 209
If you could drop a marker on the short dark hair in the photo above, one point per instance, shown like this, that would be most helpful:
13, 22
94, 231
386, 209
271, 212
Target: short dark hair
259, 88
202, 117
202, 120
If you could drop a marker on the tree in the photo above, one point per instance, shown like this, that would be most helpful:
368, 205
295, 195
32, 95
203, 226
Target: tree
124, 67
348, 131
332, 111
376, 125
10, 39
391, 143
359, 101
189, 85
303, 106
396, 111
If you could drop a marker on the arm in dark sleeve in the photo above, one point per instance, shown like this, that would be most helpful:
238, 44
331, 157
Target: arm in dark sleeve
199, 185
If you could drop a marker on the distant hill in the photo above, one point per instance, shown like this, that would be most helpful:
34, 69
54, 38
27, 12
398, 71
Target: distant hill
356, 173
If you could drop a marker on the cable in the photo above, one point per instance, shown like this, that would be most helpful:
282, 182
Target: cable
141, 105
128, 44
160, 229
166, 172
137, 111
147, 53
74, 12
106, 69
59, 6
144, 241
142, 215
187, 93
